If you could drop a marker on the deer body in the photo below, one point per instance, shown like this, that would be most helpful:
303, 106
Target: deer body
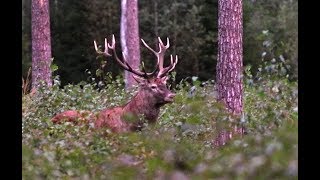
146, 104
152, 94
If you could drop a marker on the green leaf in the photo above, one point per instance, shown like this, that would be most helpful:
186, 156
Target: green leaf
54, 67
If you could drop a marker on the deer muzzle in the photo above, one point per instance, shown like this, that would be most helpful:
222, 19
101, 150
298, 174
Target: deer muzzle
169, 97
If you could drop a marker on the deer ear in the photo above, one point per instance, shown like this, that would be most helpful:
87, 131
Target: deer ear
164, 79
138, 79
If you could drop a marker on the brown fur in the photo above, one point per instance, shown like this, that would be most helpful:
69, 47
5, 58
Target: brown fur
152, 94
71, 116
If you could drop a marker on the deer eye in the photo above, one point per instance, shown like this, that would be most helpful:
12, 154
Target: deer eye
153, 86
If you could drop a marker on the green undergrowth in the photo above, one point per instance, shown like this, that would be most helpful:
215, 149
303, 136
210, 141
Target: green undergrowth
179, 145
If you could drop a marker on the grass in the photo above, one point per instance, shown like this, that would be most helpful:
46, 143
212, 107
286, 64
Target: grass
178, 145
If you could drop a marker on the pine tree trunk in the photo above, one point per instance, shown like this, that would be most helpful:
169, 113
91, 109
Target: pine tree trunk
156, 18
229, 65
130, 42
41, 43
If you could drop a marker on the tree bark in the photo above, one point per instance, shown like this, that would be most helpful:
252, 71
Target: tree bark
130, 42
41, 43
156, 18
229, 65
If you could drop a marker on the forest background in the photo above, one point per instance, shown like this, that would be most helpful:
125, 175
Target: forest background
270, 32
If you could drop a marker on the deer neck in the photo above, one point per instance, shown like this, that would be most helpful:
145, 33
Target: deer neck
143, 104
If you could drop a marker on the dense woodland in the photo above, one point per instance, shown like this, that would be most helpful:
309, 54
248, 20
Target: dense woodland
181, 144
270, 29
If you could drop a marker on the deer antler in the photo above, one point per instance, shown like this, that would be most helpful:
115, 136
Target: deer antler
160, 58
125, 65
105, 52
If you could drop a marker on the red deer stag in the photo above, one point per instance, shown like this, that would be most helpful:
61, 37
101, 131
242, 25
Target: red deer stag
152, 94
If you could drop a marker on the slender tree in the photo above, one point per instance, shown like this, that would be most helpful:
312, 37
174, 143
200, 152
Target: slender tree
26, 37
130, 41
229, 65
41, 43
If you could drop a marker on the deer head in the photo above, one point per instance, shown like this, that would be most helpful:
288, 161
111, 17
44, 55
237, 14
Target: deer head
152, 85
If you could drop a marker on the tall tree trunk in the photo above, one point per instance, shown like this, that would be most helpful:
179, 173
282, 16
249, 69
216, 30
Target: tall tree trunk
156, 18
174, 27
229, 65
41, 43
130, 42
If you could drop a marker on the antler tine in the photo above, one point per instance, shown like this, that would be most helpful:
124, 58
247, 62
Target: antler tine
155, 53
162, 50
105, 52
159, 54
170, 67
125, 65
166, 46
113, 42
173, 63
163, 71
147, 46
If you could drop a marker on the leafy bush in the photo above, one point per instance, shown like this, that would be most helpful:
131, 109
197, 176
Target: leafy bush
179, 145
